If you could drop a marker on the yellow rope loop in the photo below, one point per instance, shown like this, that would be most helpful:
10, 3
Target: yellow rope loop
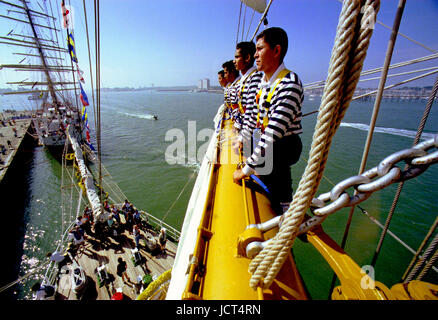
350, 43
155, 285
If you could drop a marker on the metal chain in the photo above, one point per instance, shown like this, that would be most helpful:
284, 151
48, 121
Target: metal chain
377, 178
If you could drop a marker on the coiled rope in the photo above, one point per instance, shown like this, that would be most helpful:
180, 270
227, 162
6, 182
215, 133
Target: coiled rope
348, 54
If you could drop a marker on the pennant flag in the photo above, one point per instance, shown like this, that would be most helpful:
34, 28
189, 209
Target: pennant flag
80, 74
87, 137
91, 146
83, 97
65, 15
71, 47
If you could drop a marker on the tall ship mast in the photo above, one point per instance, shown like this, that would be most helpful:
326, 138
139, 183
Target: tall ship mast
51, 74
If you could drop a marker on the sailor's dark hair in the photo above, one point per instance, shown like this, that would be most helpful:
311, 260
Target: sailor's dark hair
247, 47
221, 72
275, 36
229, 65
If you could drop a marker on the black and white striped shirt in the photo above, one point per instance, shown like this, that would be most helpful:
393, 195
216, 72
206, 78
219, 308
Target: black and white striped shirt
284, 115
227, 94
232, 90
246, 93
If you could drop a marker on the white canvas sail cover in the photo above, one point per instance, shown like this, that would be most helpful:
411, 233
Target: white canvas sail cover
88, 181
257, 5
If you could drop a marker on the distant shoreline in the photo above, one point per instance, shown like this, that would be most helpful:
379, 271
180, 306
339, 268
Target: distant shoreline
414, 92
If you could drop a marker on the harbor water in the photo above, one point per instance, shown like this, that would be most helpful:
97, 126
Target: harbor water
138, 152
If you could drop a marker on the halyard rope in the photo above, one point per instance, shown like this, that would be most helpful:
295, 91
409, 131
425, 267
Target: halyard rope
346, 63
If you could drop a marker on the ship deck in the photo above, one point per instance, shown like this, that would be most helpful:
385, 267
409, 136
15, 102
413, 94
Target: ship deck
94, 253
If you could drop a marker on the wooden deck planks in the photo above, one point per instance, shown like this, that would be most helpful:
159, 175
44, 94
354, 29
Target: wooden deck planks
93, 254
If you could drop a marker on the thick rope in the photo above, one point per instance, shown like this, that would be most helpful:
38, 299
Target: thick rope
432, 248
346, 64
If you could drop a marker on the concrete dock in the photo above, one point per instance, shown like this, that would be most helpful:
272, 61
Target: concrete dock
14, 128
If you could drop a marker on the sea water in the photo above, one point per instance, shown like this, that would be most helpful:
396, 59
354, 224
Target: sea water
134, 147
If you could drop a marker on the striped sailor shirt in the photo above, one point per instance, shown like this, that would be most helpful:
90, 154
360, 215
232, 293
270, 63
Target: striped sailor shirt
230, 95
227, 94
232, 92
246, 94
284, 115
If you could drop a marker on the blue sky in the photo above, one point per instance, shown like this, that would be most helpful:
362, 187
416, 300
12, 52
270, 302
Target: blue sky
178, 42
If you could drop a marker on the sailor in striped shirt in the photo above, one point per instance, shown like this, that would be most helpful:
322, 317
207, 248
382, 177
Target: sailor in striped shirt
275, 121
221, 78
247, 89
233, 77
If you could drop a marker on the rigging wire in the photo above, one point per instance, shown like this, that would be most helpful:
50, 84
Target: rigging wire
433, 247
7, 286
400, 186
420, 248
397, 84
89, 60
250, 23
403, 35
375, 70
410, 272
262, 19
177, 198
409, 38
386, 65
243, 25
238, 24
402, 73
73, 68
97, 46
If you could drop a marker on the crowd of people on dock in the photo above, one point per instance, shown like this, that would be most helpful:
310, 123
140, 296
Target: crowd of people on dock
6, 140
264, 102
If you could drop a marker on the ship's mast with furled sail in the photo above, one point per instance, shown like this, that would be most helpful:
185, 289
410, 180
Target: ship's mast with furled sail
36, 42
43, 59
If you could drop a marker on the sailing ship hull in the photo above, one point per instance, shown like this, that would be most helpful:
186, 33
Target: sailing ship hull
55, 145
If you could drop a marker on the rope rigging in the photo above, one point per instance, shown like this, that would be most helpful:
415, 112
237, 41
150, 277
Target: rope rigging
179, 195
403, 35
376, 108
420, 248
